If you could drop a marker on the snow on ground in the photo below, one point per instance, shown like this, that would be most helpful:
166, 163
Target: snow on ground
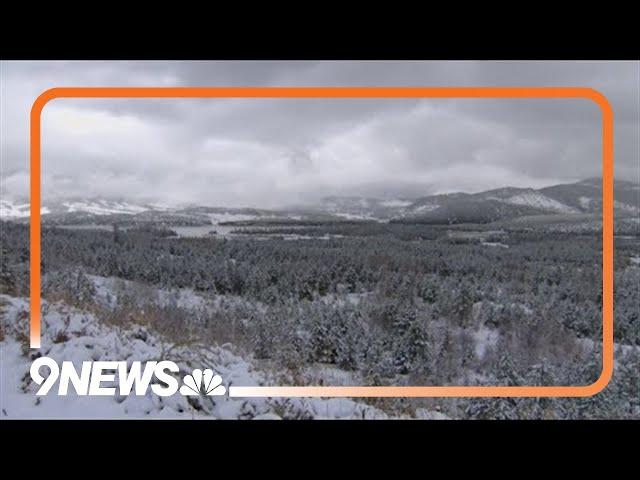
75, 335
428, 207
343, 299
104, 207
9, 209
108, 289
294, 237
585, 202
625, 207
395, 203
353, 216
538, 200
424, 414
485, 337
216, 218
495, 244
619, 348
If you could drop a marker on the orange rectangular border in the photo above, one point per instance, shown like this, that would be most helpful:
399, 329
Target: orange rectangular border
358, 92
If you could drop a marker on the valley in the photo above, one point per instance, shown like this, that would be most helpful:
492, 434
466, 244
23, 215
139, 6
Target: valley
355, 292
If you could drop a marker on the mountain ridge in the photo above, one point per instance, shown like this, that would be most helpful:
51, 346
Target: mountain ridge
502, 203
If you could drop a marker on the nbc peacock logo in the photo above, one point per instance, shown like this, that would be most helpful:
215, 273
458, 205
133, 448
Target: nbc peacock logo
202, 382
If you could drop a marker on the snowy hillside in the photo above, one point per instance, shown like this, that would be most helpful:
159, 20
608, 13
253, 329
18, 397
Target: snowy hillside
105, 207
507, 203
15, 210
103, 211
499, 204
19, 209
76, 335
538, 200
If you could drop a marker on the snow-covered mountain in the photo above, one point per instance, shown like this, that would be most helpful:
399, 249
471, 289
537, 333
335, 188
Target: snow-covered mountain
509, 202
107, 211
493, 205
94, 206
10, 209
104, 207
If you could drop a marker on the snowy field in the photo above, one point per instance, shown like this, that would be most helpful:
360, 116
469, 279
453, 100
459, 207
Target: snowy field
71, 334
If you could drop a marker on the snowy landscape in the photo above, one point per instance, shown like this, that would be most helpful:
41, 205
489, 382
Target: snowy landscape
494, 288
273, 238
583, 197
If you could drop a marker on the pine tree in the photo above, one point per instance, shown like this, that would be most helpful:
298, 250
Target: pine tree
500, 408
627, 383
429, 291
463, 305
444, 362
419, 350
542, 374
378, 360
400, 328
323, 343
7, 280
506, 372
262, 336
600, 405
83, 289
117, 235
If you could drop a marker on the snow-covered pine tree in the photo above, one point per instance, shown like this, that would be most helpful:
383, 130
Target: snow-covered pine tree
402, 350
541, 374
7, 279
627, 383
378, 360
500, 408
419, 349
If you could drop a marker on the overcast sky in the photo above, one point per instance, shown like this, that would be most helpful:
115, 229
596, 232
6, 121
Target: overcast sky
264, 152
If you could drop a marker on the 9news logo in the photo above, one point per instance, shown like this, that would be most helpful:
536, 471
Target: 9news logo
95, 376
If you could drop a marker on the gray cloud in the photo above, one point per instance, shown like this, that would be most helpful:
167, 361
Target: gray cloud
269, 152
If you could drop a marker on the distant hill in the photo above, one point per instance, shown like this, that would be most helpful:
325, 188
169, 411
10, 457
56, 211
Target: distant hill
506, 203
509, 202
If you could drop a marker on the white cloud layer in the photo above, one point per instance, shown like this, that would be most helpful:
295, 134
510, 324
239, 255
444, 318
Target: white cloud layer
272, 152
